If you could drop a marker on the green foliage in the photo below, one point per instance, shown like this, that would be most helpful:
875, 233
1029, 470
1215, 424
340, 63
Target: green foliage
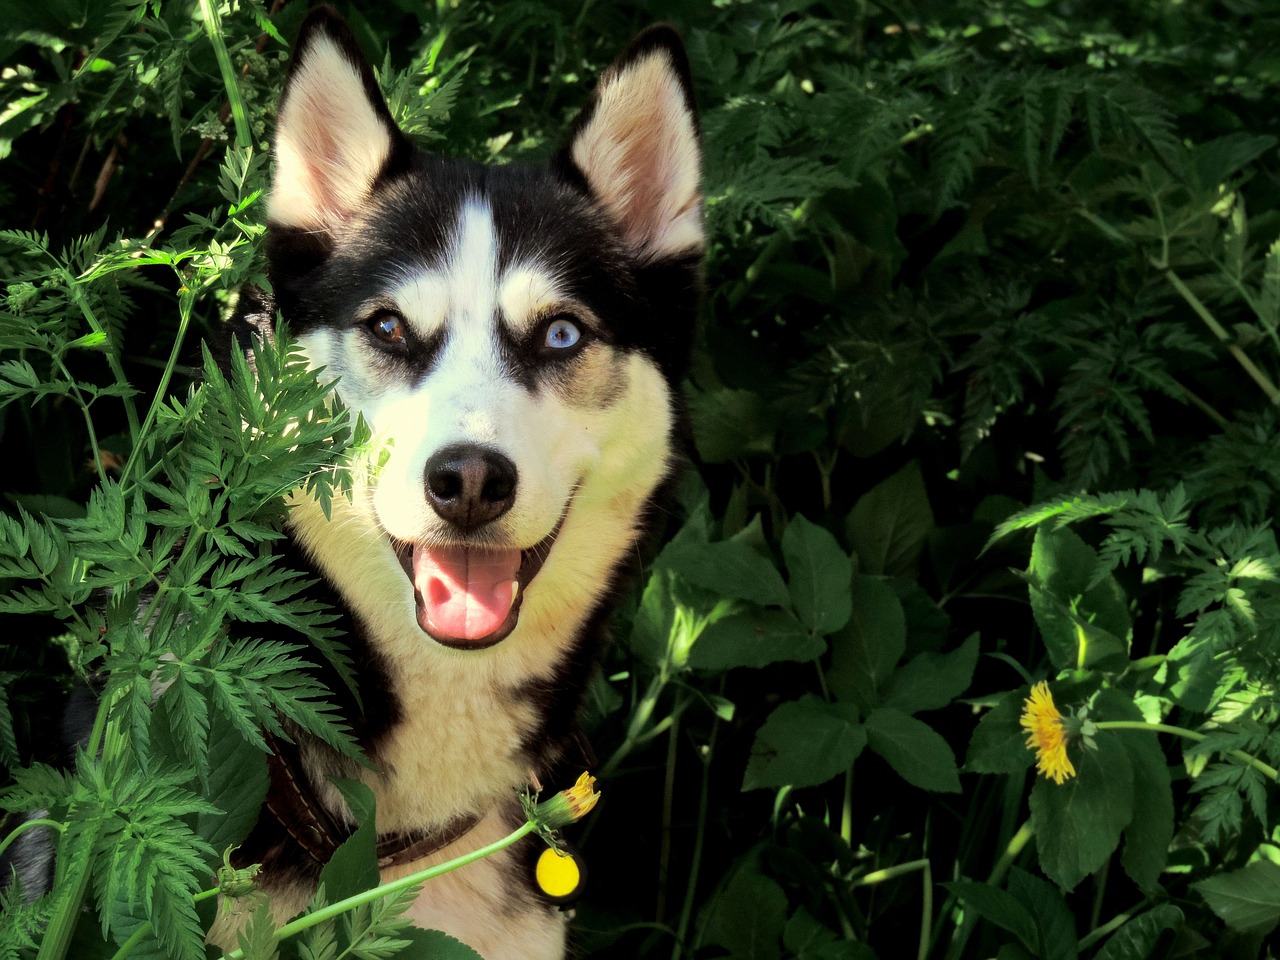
985, 393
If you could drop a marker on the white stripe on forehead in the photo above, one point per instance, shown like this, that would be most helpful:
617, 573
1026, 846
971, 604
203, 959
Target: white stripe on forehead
465, 290
461, 289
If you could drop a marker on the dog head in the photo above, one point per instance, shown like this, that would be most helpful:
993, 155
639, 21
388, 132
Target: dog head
512, 335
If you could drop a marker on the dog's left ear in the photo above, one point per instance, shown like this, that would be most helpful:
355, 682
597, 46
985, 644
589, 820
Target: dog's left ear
636, 144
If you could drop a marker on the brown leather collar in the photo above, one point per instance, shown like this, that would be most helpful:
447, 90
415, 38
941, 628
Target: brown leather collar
299, 811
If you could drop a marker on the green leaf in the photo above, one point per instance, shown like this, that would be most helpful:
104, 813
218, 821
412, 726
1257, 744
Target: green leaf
257, 939
889, 523
914, 749
729, 568
1078, 823
804, 743
1055, 926
354, 865
747, 917
1148, 835
865, 651
237, 785
1083, 625
434, 945
818, 574
1139, 938
728, 424
1246, 899
930, 681
999, 907
754, 638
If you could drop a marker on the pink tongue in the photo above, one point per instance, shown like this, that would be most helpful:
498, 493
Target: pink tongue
463, 593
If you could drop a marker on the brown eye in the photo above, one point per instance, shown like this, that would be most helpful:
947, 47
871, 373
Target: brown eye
389, 328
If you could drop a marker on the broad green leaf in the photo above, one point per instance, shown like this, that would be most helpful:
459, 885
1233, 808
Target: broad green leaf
1148, 835
754, 638
1217, 160
818, 575
747, 917
237, 785
914, 749
1078, 823
999, 907
889, 523
1083, 624
1246, 899
865, 651
728, 424
354, 865
1139, 938
729, 568
1055, 926
931, 681
804, 743
999, 743
433, 945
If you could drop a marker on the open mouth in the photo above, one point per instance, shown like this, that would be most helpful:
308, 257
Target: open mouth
469, 596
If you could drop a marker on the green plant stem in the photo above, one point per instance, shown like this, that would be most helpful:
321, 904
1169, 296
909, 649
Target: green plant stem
1240, 755
213, 27
26, 825
846, 809
395, 886
1011, 852
1201, 311
62, 923
1115, 923
113, 361
639, 719
668, 802
686, 912
890, 873
186, 302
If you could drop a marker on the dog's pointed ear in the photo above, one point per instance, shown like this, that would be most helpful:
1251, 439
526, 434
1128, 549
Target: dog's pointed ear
334, 133
637, 147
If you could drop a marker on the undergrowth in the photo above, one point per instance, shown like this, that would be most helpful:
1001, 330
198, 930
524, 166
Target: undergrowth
985, 395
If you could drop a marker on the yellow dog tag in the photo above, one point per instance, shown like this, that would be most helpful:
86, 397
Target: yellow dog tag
559, 875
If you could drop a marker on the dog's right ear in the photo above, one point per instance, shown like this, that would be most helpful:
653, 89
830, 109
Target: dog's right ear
334, 134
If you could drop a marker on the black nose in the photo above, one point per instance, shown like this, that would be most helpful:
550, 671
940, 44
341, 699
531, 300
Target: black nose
469, 485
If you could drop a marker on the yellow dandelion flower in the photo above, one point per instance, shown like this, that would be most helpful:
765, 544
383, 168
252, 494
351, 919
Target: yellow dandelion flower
1047, 734
564, 807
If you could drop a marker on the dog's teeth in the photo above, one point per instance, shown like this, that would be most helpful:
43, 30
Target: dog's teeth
515, 592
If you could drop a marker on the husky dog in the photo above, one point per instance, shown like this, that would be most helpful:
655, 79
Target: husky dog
515, 336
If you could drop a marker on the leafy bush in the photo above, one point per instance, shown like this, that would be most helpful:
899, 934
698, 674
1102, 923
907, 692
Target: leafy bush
985, 395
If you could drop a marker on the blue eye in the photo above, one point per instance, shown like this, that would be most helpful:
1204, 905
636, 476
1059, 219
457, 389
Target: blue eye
562, 334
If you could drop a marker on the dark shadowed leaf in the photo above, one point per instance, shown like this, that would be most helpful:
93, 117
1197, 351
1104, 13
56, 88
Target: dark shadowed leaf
728, 424
804, 743
914, 749
997, 906
999, 744
1247, 899
1139, 938
747, 917
754, 638
818, 574
864, 653
1078, 823
1055, 927
932, 680
889, 523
